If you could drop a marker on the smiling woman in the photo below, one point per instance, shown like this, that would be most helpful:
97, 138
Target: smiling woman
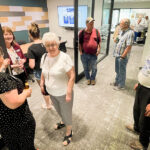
58, 77
17, 59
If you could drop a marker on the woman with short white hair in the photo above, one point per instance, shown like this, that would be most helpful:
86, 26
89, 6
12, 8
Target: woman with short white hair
58, 78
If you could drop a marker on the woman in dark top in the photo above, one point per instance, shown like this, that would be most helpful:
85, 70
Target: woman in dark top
35, 52
17, 125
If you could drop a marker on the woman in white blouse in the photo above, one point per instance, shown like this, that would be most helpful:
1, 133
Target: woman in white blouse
58, 76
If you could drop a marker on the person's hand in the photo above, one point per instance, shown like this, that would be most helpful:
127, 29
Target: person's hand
97, 53
68, 97
147, 113
135, 86
6, 62
22, 61
20, 66
81, 53
28, 92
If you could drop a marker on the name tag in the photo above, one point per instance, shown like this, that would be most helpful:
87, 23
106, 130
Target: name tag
18, 50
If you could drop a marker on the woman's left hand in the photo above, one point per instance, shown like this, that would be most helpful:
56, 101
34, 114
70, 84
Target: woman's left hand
68, 97
147, 113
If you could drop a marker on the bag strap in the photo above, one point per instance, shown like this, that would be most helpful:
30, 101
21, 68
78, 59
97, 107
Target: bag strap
97, 37
44, 58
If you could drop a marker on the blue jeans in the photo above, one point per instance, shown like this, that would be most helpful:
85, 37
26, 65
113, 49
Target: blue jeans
89, 63
37, 74
136, 34
120, 69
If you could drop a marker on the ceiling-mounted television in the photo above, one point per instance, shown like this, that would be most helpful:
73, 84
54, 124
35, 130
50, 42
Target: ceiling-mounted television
66, 16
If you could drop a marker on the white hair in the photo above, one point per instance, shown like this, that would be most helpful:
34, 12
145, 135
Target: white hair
50, 37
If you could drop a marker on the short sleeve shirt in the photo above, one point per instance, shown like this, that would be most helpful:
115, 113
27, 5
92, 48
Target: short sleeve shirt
126, 38
36, 51
55, 71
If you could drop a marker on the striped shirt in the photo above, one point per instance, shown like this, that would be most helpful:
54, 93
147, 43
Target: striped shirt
126, 38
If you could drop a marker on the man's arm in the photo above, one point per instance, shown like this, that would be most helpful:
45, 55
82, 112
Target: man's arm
98, 49
80, 49
127, 50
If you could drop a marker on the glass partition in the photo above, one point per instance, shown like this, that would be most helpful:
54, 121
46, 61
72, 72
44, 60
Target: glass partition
103, 25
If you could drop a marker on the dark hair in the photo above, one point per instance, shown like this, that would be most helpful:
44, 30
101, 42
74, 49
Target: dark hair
34, 30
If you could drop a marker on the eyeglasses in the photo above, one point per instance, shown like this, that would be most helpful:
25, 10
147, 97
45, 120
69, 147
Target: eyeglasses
50, 45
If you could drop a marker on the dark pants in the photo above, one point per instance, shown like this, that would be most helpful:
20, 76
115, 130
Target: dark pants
22, 77
89, 63
1, 143
142, 123
136, 34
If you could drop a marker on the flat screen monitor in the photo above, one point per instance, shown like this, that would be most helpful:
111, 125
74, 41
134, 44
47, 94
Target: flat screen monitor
66, 16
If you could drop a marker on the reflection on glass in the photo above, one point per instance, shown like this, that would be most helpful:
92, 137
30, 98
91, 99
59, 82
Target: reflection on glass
86, 14
115, 19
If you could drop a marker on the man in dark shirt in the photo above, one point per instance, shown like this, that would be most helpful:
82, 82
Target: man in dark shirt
89, 47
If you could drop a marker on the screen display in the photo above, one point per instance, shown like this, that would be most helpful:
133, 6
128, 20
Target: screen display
66, 16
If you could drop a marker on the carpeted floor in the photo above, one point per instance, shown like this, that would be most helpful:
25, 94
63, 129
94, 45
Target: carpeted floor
99, 113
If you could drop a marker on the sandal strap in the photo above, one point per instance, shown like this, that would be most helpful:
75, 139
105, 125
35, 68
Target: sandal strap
66, 138
60, 125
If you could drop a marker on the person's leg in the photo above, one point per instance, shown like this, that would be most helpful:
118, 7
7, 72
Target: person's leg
93, 62
85, 62
66, 112
117, 70
56, 104
145, 132
136, 109
27, 133
135, 36
46, 98
122, 72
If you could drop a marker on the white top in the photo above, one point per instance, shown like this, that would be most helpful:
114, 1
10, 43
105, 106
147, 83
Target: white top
15, 60
144, 74
55, 71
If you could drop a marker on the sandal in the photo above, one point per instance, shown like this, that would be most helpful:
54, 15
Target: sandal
67, 139
59, 126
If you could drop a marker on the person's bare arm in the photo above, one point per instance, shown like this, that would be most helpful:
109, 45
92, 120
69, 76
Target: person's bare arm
80, 49
13, 100
98, 49
32, 63
147, 113
127, 50
42, 81
71, 76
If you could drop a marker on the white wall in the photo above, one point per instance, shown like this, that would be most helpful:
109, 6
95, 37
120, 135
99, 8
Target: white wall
53, 20
61, 31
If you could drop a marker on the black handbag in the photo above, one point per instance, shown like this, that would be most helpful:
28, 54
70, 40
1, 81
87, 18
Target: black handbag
45, 91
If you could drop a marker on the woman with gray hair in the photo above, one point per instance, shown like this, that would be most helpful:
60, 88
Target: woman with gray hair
58, 77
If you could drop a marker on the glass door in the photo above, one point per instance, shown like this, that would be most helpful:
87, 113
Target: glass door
115, 19
83, 9
106, 26
103, 25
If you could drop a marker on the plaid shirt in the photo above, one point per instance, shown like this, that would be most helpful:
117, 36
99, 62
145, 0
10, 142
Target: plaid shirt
126, 38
